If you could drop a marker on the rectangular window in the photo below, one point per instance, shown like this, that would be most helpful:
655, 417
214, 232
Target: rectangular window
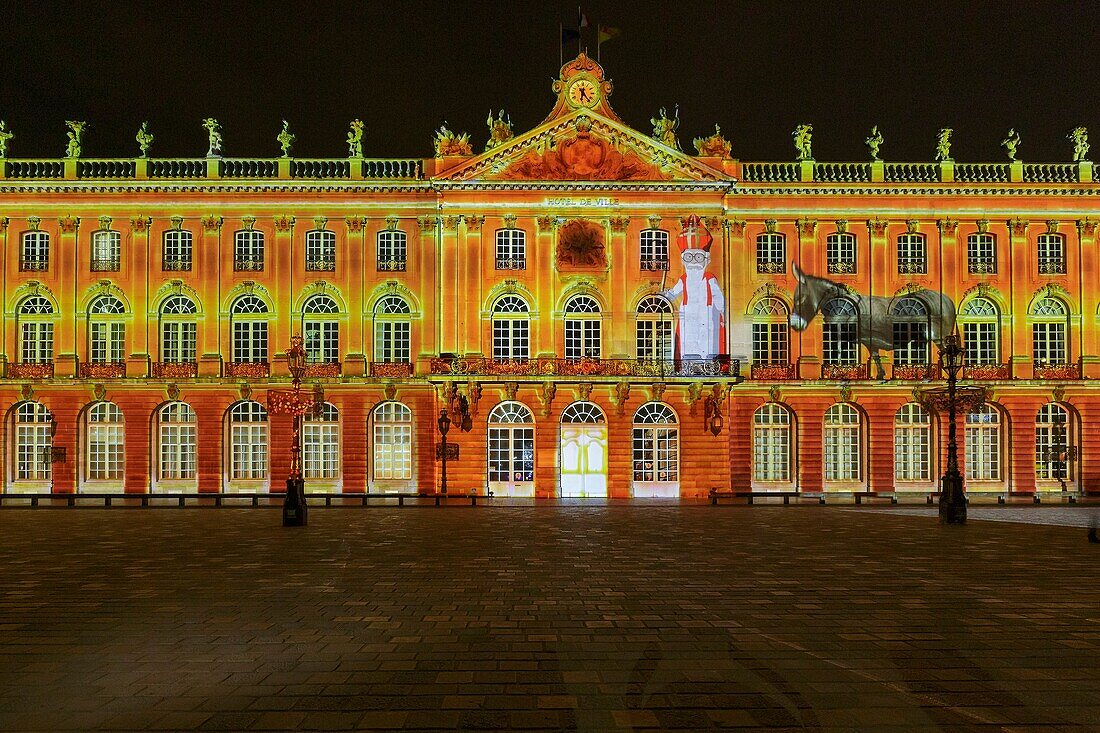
106, 251
105, 452
769, 343
911, 453
320, 450
392, 452
177, 251
654, 340
511, 338
511, 249
1049, 341
840, 344
393, 341
842, 453
840, 251
910, 343
36, 346
980, 343
981, 254
582, 338
177, 450
32, 455
178, 342
107, 342
248, 251
771, 453
322, 342
249, 341
1052, 254
393, 251
771, 253
320, 251
653, 250
983, 453
912, 257
35, 255
249, 459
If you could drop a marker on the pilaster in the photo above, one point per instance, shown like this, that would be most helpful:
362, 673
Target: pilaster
1090, 297
810, 259
430, 288
70, 264
879, 256
471, 253
136, 267
280, 257
544, 285
450, 282
207, 260
350, 268
619, 292
1019, 280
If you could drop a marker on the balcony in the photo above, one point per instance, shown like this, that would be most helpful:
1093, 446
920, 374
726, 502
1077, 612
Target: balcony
511, 263
913, 267
771, 267
247, 369
101, 369
175, 264
773, 372
391, 369
241, 264
1052, 266
110, 264
1047, 370
654, 265
175, 370
915, 372
981, 265
321, 264
29, 371
986, 372
843, 372
586, 367
34, 264
322, 369
842, 267
392, 265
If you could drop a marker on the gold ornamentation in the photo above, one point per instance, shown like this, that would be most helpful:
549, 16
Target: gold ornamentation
657, 390
983, 226
714, 146
877, 226
841, 226
211, 223
806, 227
620, 393
665, 127
1052, 226
104, 222
392, 222
773, 394
473, 396
175, 222
619, 223
654, 222
1058, 394
140, 223
99, 392
245, 391
714, 223
737, 227
27, 392
511, 389
584, 391
426, 223
320, 222
546, 397
283, 222
68, 224
248, 222
581, 245
389, 391
448, 143
509, 221
33, 222
1018, 226
1086, 227
354, 223
912, 226
474, 222
947, 226
694, 394
845, 393
172, 390
500, 130
450, 223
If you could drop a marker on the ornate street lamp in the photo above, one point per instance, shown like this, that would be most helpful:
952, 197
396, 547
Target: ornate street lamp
713, 419
291, 402
952, 398
444, 424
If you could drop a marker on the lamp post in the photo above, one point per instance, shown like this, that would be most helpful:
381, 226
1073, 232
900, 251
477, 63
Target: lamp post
444, 424
952, 503
290, 402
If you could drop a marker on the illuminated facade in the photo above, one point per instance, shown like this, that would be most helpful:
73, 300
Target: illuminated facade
560, 283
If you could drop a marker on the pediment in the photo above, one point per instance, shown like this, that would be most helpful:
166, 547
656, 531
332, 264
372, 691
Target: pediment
583, 146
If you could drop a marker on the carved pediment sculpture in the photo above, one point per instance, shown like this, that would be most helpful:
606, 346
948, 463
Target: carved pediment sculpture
581, 246
583, 157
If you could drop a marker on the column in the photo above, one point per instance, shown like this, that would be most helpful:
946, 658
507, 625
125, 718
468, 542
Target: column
136, 261
544, 284
69, 262
809, 259
471, 259
877, 261
450, 279
349, 271
1090, 298
1019, 280
617, 323
280, 265
207, 261
427, 263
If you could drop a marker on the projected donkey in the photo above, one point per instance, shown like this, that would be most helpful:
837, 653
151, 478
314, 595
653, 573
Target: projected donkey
882, 323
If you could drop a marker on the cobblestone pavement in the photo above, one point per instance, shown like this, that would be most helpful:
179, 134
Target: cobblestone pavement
578, 618
1063, 516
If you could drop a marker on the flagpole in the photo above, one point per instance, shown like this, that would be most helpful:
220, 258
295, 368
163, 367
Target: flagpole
561, 55
598, 39
580, 28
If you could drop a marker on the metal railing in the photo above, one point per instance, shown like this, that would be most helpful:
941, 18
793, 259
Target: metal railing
511, 263
246, 369
586, 367
986, 372
321, 264
247, 265
176, 264
392, 265
174, 370
773, 372
843, 372
101, 369
26, 370
1049, 370
770, 267
392, 369
111, 264
981, 265
841, 267
34, 264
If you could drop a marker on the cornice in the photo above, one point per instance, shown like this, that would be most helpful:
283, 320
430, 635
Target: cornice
749, 189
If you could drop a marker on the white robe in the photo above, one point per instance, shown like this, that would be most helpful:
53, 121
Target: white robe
701, 329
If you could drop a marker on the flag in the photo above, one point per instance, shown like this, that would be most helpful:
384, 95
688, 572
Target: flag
607, 33
569, 34
582, 19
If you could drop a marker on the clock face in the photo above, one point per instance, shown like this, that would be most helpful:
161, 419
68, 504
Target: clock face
584, 93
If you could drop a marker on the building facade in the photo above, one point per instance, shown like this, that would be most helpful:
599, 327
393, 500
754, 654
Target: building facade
615, 313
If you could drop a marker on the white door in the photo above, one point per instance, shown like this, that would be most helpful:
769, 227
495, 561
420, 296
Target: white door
512, 461
584, 461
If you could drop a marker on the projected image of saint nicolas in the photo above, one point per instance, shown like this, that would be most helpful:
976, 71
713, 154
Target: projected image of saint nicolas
701, 327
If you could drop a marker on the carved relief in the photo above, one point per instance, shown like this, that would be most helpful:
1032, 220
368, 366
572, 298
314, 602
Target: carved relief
546, 397
511, 389
68, 224
1052, 226
245, 391
773, 394
877, 226
581, 246
657, 390
392, 222
474, 223
737, 227
104, 222
1086, 227
770, 226
694, 394
426, 223
619, 224
355, 223
473, 396
806, 227
545, 223
172, 391
947, 226
176, 222
140, 223
211, 223
389, 391
983, 226
583, 156
99, 392
1018, 226
509, 221
842, 226
654, 221
912, 226
620, 393
450, 223
584, 391
283, 222
320, 222
33, 222
248, 222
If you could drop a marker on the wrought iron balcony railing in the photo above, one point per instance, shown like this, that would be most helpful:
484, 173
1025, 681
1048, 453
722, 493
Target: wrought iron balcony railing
654, 265
101, 369
110, 264
511, 263
842, 267
242, 264
247, 369
587, 367
771, 267
915, 372
34, 264
981, 265
321, 264
1052, 266
175, 369
912, 267
393, 264
322, 369
773, 372
29, 371
986, 372
843, 372
391, 369
176, 264
1048, 370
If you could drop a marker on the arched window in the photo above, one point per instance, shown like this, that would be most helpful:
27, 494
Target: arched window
321, 443
981, 327
248, 250
178, 330
653, 250
843, 444
511, 328
771, 252
321, 330
582, 452
910, 318
33, 443
392, 330
840, 253
392, 250
511, 449
583, 327
106, 440
583, 412
106, 251
1052, 254
1053, 438
653, 336
770, 337
177, 437
912, 443
249, 318
511, 249
656, 446
912, 254
981, 253
107, 330
1049, 332
393, 442
839, 332
771, 443
983, 444
34, 254
320, 251
247, 441
36, 319
177, 251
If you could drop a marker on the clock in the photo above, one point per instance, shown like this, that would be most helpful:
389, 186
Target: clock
584, 93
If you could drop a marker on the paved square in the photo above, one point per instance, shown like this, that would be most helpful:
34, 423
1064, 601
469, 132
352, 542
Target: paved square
548, 617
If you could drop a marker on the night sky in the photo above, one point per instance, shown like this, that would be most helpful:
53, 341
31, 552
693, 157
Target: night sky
755, 68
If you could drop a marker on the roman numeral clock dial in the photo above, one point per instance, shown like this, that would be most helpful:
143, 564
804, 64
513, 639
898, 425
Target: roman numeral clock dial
584, 93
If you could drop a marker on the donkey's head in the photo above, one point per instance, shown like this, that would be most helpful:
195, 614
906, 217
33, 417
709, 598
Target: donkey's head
809, 292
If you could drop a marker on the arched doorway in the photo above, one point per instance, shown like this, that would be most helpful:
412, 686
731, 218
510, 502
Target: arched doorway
583, 452
656, 452
511, 450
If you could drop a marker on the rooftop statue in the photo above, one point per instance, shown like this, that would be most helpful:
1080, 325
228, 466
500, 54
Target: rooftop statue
1010, 143
286, 139
5, 136
874, 143
665, 127
214, 130
500, 130
144, 139
803, 140
355, 139
448, 143
714, 146
1080, 139
943, 144
76, 136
